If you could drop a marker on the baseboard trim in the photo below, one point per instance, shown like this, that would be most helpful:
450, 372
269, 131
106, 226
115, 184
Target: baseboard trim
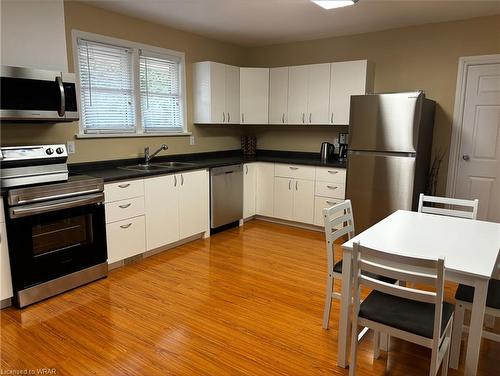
290, 223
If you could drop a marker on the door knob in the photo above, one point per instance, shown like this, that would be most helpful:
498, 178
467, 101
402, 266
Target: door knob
465, 157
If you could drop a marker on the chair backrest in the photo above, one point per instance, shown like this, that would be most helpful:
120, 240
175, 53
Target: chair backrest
339, 221
421, 271
450, 209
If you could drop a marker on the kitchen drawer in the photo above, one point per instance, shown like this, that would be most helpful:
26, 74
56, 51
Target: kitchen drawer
294, 171
119, 210
126, 238
321, 203
326, 189
333, 175
123, 190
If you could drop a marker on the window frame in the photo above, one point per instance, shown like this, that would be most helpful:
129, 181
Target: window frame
136, 48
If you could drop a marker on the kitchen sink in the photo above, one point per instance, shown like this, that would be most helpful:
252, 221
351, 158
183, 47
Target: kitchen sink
156, 166
174, 164
144, 167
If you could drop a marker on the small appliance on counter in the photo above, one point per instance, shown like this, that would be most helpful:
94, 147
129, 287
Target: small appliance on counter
55, 223
327, 151
343, 141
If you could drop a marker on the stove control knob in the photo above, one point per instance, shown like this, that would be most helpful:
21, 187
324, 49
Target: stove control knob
49, 151
59, 150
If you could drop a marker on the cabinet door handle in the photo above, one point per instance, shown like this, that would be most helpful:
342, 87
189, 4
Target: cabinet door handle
283, 118
331, 118
293, 168
124, 185
242, 117
175, 180
182, 179
228, 117
296, 185
310, 117
303, 117
126, 226
223, 117
246, 170
331, 203
289, 185
332, 172
331, 187
124, 206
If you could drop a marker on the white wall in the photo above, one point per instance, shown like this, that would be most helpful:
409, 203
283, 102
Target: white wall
33, 34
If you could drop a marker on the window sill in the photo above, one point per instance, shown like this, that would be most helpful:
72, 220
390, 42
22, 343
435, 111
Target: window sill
130, 135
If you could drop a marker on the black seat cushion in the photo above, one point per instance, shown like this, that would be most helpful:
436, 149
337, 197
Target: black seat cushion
337, 268
405, 314
466, 293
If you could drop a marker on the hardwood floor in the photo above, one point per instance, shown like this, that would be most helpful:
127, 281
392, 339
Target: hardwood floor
246, 301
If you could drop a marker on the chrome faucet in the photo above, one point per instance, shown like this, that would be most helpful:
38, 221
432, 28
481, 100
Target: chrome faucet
148, 156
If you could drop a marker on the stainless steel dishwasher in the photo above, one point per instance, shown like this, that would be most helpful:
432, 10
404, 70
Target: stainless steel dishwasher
226, 195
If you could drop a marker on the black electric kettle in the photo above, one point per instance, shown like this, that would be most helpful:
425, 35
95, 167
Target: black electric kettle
326, 152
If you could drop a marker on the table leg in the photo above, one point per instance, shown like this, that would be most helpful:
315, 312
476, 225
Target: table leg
476, 327
345, 309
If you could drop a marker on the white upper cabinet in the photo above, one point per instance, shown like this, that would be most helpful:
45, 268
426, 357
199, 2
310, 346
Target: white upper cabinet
309, 94
232, 94
318, 93
297, 94
254, 95
216, 93
278, 95
347, 78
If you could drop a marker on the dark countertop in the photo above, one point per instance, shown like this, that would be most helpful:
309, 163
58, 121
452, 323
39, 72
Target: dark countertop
110, 171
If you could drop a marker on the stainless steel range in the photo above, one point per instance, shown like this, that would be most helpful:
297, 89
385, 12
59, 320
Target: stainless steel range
55, 223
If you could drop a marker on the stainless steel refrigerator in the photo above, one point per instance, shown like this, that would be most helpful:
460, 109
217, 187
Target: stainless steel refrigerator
390, 141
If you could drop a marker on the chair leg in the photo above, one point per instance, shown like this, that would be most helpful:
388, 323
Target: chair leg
434, 362
376, 344
328, 301
456, 335
446, 359
354, 346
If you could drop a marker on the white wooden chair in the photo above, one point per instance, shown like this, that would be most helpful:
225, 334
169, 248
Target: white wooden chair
450, 209
418, 316
339, 221
464, 294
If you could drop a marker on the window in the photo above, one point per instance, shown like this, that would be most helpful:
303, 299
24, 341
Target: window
129, 89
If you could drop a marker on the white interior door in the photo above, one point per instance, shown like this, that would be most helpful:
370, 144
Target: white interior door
479, 165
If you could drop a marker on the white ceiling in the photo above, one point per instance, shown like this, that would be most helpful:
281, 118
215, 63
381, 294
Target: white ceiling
261, 22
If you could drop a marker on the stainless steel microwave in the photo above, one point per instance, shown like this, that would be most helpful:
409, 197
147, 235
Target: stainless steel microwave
37, 95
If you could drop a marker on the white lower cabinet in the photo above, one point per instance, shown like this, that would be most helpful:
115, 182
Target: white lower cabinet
265, 189
249, 189
176, 207
294, 199
125, 238
193, 203
321, 203
161, 204
283, 198
329, 191
5, 278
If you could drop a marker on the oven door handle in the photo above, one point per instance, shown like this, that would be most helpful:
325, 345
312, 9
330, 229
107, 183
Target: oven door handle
56, 205
62, 195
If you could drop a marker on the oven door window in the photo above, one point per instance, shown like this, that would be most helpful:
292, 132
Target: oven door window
49, 245
61, 234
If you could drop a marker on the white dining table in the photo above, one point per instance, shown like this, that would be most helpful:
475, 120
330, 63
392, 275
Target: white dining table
470, 249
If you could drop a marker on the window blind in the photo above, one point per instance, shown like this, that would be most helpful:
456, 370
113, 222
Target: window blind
106, 88
160, 85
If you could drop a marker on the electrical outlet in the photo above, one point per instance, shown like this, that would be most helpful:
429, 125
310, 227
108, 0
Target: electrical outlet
191, 140
70, 146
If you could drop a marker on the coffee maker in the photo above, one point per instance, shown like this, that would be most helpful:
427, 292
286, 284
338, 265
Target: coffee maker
343, 140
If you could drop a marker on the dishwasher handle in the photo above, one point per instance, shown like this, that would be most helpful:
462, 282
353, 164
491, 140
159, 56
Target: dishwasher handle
226, 170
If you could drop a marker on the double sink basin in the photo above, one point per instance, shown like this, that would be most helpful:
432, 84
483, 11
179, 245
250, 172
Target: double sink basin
156, 166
